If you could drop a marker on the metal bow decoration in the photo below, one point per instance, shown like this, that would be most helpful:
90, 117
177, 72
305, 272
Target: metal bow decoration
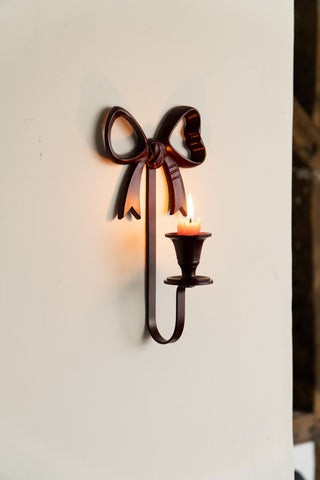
154, 153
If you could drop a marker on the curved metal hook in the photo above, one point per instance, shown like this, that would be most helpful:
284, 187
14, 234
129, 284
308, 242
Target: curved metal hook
151, 270
179, 325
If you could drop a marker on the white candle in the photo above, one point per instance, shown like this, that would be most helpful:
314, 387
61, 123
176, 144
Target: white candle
186, 226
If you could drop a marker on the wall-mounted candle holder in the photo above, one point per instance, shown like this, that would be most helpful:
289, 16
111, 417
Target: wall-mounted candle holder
155, 153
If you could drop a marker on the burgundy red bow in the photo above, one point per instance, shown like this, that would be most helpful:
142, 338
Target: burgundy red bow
156, 152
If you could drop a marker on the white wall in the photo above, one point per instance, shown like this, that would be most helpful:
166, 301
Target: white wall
304, 460
83, 395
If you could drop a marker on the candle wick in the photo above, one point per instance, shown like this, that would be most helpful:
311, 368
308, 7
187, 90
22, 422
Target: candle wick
190, 221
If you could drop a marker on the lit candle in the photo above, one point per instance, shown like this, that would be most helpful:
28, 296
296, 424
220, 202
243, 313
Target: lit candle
186, 226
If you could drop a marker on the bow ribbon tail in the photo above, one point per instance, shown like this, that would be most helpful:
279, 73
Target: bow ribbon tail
177, 194
130, 201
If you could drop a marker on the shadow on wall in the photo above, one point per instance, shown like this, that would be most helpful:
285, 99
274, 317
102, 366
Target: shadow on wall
132, 314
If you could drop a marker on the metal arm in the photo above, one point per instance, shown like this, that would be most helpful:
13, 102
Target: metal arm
151, 270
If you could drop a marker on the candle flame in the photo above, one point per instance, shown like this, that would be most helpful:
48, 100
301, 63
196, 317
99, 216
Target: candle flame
190, 207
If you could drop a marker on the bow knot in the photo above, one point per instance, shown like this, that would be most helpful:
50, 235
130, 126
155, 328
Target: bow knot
155, 153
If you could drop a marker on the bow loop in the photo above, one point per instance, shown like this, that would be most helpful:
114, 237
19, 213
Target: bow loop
141, 148
156, 152
191, 133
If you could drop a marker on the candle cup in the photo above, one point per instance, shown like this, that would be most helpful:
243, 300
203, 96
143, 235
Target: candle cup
188, 250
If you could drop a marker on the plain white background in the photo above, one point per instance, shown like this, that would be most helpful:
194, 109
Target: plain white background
304, 459
83, 394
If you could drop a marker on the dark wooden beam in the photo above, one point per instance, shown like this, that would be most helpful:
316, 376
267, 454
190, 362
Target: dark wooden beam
303, 427
306, 137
